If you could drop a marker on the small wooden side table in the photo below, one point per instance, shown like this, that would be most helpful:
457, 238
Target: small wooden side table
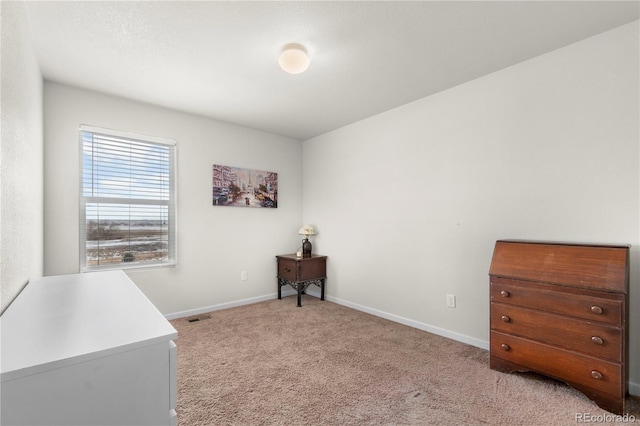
301, 272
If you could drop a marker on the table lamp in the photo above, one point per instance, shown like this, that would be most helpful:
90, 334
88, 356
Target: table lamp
307, 231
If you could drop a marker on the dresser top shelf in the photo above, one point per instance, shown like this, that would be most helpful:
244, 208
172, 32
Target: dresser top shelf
64, 319
592, 266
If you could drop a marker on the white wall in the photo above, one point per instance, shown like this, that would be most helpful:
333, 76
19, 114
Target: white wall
214, 243
21, 217
409, 203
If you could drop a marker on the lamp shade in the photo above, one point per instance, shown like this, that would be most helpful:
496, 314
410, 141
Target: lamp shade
294, 59
307, 230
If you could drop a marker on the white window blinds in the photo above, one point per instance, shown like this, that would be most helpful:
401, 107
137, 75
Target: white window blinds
127, 200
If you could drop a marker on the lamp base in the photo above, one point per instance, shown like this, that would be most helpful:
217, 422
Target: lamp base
306, 248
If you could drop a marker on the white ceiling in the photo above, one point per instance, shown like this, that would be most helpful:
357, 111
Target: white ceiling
220, 59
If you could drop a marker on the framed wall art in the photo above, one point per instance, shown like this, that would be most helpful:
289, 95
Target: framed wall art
238, 187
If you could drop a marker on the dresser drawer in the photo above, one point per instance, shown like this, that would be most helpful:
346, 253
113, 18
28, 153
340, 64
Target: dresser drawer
589, 305
594, 339
605, 376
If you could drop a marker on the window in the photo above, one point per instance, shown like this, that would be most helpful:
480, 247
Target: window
127, 200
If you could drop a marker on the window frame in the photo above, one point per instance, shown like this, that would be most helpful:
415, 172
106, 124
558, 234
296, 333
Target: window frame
172, 216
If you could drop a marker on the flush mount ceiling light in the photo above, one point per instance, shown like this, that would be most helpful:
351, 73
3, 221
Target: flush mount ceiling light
294, 59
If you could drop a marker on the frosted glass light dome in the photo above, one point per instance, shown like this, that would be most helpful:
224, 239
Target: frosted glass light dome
294, 59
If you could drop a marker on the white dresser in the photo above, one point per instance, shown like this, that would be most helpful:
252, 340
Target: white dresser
86, 349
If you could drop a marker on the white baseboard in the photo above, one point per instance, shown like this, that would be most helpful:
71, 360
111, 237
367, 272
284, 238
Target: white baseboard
634, 388
483, 344
211, 308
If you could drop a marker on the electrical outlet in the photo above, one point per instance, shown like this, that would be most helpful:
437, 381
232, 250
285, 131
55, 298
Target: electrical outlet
451, 301
244, 276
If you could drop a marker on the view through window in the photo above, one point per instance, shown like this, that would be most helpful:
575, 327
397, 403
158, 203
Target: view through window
127, 200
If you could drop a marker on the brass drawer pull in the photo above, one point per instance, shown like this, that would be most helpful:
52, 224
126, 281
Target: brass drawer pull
505, 347
596, 309
506, 318
596, 375
597, 340
287, 269
505, 293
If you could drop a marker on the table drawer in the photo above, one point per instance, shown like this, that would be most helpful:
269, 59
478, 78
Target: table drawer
601, 307
288, 269
594, 339
569, 366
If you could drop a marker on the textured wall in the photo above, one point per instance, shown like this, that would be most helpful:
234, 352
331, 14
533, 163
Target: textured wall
21, 153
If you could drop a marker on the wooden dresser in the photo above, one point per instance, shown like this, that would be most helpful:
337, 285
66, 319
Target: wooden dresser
561, 310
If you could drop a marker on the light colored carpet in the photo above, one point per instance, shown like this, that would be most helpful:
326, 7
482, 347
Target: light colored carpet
272, 363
